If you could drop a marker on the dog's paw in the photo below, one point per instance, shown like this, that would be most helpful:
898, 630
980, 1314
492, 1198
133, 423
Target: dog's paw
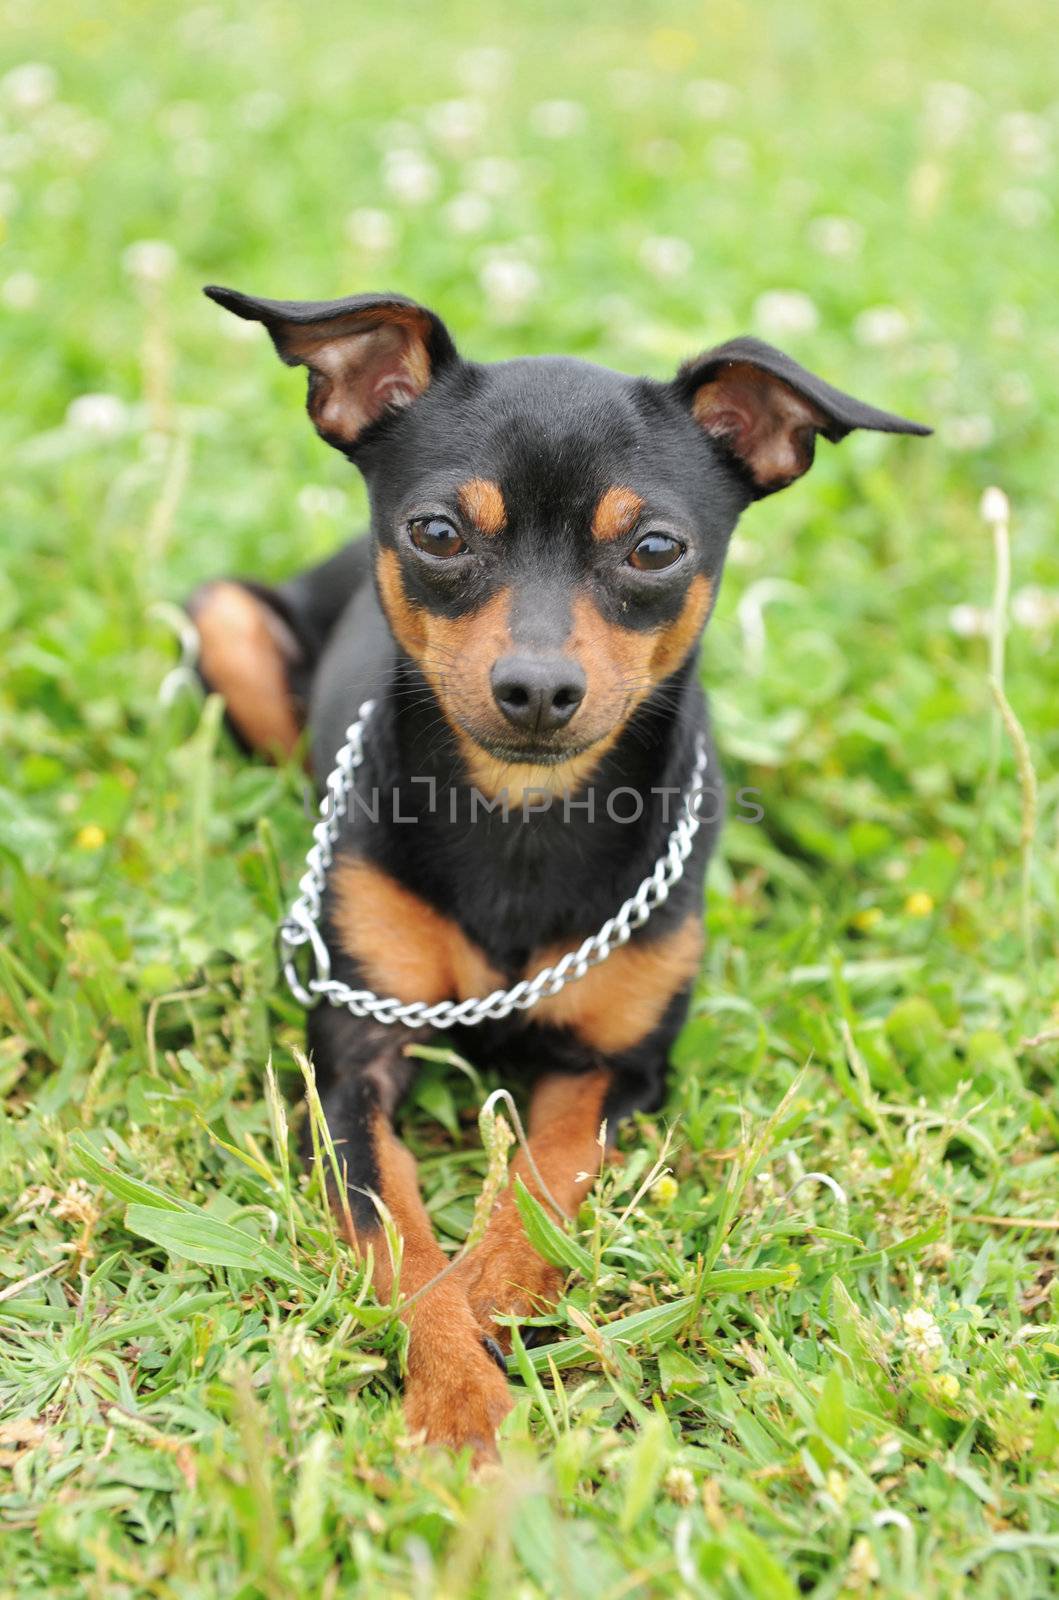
456, 1394
508, 1283
462, 1409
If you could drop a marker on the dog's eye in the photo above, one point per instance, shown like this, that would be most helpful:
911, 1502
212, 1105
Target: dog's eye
655, 551
435, 537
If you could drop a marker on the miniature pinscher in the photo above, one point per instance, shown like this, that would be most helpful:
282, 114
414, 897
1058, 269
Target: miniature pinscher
547, 540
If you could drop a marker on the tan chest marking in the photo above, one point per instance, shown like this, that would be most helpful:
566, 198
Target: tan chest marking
407, 949
618, 1003
403, 946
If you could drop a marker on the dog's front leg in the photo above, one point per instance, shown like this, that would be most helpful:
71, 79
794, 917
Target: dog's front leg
503, 1274
455, 1394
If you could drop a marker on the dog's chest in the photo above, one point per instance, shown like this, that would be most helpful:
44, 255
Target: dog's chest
407, 949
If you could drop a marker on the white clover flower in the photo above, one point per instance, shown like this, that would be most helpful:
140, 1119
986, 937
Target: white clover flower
666, 257
509, 283
744, 552
102, 415
994, 506
924, 1338
948, 111
1025, 139
455, 124
493, 175
558, 119
69, 130
30, 86
150, 261
968, 622
20, 291
972, 432
710, 99
881, 325
1025, 208
838, 237
1036, 609
919, 1323
468, 213
410, 177
679, 1486
784, 311
321, 500
371, 230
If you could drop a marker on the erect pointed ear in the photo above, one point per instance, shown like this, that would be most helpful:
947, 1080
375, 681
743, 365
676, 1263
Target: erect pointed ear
366, 355
767, 410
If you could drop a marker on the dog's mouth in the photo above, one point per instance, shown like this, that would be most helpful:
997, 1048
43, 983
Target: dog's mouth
544, 750
538, 754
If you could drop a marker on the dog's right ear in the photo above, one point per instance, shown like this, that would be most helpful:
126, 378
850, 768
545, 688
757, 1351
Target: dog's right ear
367, 355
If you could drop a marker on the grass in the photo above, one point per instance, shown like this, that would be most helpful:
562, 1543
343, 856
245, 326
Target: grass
819, 1353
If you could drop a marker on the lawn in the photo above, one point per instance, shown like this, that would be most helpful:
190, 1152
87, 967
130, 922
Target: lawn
810, 1339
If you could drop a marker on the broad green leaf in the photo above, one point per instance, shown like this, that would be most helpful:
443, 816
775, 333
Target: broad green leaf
677, 1372
119, 1184
914, 1242
743, 1280
195, 1237
641, 1328
547, 1238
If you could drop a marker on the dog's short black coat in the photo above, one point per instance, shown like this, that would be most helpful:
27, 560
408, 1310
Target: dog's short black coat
544, 534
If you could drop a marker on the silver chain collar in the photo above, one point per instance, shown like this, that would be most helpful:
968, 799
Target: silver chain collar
301, 926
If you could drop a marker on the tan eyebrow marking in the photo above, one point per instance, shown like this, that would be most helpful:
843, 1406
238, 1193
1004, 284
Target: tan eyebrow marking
480, 500
616, 513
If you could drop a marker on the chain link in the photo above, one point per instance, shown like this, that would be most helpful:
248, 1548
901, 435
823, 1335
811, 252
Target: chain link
300, 929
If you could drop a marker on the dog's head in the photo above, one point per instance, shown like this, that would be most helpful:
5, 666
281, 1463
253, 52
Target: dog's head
549, 535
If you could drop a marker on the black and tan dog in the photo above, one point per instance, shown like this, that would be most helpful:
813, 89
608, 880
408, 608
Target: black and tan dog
547, 539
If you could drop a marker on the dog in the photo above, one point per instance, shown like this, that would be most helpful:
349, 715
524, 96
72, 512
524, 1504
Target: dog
546, 546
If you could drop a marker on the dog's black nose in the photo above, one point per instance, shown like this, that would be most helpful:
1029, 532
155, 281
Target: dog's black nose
538, 693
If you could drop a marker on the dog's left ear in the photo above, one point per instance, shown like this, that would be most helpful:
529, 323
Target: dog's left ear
766, 410
366, 355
